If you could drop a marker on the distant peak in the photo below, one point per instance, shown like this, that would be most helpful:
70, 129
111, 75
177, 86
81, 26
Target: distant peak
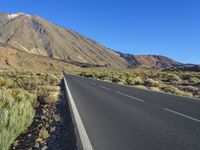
12, 16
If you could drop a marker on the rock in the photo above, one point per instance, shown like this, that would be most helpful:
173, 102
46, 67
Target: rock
37, 145
16, 143
44, 147
39, 140
52, 129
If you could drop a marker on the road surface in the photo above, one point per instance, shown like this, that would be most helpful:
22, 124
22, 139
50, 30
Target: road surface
118, 117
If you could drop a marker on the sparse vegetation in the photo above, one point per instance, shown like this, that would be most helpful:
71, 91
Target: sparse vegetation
176, 82
16, 114
20, 92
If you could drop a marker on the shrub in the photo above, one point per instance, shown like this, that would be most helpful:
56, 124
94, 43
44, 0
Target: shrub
174, 90
151, 83
52, 79
5, 82
133, 81
87, 75
103, 76
190, 89
194, 80
43, 134
116, 79
16, 114
170, 77
48, 94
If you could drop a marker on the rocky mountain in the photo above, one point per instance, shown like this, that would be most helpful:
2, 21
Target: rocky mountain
149, 61
38, 36
185, 67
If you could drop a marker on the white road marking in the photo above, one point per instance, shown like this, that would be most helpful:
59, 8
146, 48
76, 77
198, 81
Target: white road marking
104, 87
129, 96
194, 119
81, 129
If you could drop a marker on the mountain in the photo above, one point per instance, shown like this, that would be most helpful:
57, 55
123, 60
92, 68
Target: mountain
38, 36
149, 61
185, 67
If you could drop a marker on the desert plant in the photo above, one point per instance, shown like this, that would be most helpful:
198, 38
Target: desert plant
133, 81
5, 82
170, 77
174, 90
43, 134
194, 80
116, 79
151, 83
16, 114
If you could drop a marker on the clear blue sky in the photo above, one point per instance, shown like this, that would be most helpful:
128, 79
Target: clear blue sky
164, 27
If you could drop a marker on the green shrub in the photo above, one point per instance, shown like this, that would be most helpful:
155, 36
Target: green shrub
48, 94
85, 74
52, 79
151, 83
133, 81
170, 77
116, 79
5, 82
194, 80
190, 89
16, 114
175, 90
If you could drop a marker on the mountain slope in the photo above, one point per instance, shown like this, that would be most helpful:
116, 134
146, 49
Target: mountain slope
149, 61
38, 36
15, 59
35, 35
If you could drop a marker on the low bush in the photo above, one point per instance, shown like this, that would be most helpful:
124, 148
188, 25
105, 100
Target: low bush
116, 79
175, 90
16, 114
194, 80
191, 89
170, 77
133, 81
48, 94
151, 83
5, 82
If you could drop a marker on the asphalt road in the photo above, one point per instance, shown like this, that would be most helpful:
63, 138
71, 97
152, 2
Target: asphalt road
118, 117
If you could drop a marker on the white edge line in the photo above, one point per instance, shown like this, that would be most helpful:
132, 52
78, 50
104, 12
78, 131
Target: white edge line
194, 119
81, 129
129, 96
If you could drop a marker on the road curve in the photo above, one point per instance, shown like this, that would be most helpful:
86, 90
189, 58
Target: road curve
117, 117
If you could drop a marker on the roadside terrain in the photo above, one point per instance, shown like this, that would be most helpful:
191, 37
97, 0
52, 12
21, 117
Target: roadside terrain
182, 83
34, 112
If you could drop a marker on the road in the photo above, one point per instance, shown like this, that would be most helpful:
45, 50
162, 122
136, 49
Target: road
119, 117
